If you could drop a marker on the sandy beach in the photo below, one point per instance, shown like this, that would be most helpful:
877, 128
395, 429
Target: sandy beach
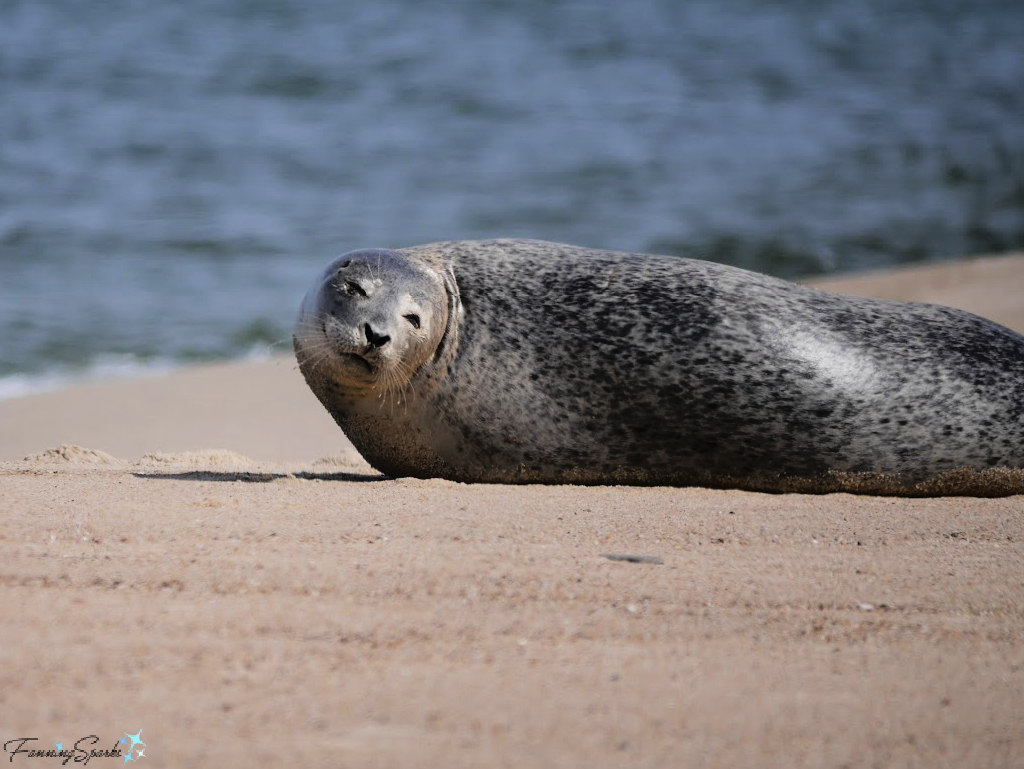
204, 557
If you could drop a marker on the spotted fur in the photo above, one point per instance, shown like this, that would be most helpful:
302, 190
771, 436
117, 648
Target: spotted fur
570, 365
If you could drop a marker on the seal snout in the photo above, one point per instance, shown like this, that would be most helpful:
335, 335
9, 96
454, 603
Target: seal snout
375, 340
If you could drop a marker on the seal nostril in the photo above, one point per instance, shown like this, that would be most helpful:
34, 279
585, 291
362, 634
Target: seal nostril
375, 340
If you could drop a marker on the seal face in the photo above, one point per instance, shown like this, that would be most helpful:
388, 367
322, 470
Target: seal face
373, 321
522, 361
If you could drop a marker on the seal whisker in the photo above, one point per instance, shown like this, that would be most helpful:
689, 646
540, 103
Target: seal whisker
316, 345
279, 342
312, 362
389, 385
404, 381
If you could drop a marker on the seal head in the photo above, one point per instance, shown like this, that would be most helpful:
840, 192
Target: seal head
371, 324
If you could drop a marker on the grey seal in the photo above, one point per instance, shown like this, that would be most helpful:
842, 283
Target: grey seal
520, 361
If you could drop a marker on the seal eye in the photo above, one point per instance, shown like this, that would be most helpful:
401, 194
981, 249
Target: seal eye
354, 289
413, 318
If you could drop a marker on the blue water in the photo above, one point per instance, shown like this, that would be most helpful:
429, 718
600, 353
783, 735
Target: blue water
174, 174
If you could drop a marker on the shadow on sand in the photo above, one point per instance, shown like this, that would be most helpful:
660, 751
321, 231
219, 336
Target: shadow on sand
247, 477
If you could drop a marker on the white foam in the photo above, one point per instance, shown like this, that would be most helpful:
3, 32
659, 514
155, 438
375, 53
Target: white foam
103, 367
108, 366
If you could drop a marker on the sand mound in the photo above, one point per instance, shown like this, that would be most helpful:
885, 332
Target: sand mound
204, 459
347, 459
71, 453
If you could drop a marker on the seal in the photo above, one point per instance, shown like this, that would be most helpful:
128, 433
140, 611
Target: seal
519, 361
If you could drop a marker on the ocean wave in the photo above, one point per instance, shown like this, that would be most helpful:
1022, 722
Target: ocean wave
102, 368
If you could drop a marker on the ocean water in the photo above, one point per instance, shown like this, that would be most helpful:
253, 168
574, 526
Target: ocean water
174, 175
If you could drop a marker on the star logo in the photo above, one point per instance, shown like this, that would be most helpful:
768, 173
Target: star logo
60, 746
135, 739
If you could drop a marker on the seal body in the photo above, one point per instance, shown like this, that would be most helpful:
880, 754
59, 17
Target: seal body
534, 362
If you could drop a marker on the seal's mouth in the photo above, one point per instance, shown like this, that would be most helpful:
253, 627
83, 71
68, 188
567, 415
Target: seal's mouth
347, 355
359, 360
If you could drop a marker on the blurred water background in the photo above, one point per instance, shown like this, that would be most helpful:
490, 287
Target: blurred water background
174, 174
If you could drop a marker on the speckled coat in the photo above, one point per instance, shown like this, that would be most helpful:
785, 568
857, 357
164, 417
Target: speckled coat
586, 366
